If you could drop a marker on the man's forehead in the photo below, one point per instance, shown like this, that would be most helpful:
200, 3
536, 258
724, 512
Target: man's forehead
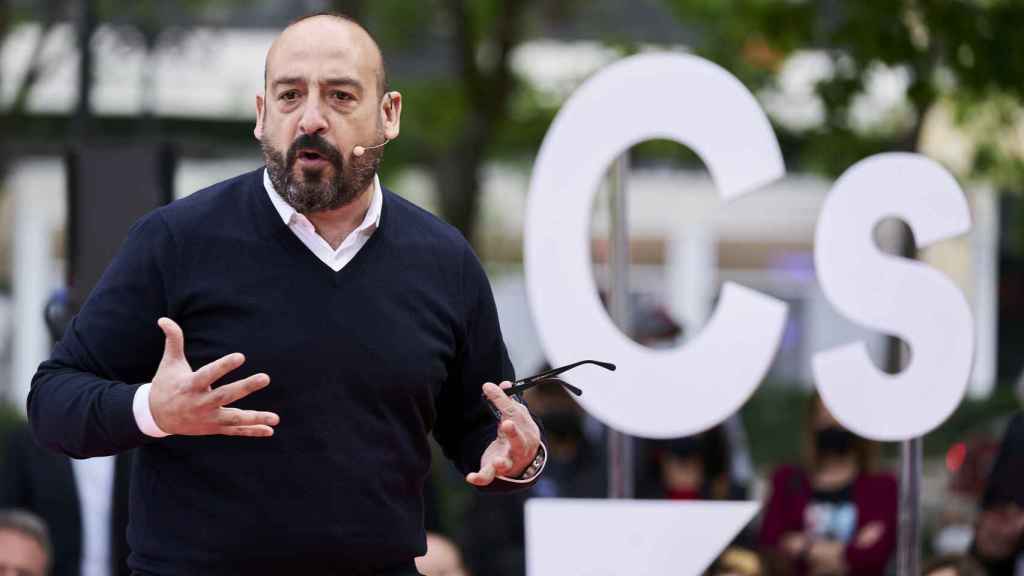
326, 43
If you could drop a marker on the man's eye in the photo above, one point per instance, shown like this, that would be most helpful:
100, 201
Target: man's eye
290, 95
341, 96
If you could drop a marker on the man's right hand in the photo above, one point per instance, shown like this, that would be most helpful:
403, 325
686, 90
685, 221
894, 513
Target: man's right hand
184, 402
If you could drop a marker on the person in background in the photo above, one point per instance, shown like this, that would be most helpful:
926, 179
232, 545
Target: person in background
84, 502
24, 544
698, 467
954, 565
695, 467
999, 533
834, 516
442, 558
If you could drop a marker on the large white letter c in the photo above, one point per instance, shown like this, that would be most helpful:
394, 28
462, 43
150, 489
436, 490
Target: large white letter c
654, 393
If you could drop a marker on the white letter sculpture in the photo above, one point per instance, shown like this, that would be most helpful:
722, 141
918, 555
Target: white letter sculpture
654, 393
895, 296
670, 393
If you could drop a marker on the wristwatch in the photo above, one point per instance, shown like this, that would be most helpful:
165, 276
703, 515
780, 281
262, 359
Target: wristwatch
536, 466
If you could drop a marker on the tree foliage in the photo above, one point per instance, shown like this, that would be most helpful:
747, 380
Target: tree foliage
458, 117
466, 106
964, 52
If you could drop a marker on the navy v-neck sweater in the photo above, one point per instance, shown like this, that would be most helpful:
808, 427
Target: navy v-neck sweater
364, 364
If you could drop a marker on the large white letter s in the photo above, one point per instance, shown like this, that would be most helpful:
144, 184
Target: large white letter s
895, 296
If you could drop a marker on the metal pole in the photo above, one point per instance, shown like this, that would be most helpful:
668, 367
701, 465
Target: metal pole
908, 551
83, 108
620, 446
908, 554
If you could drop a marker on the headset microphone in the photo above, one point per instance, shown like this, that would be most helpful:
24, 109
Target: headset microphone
360, 150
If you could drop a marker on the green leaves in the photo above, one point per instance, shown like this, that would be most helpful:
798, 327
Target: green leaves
965, 49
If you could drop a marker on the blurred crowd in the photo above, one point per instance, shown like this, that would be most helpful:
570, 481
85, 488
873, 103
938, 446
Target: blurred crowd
833, 511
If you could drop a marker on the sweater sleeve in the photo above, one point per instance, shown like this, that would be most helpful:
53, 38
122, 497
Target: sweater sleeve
877, 501
80, 402
465, 425
784, 509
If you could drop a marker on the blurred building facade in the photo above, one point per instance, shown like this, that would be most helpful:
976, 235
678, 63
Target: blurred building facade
685, 242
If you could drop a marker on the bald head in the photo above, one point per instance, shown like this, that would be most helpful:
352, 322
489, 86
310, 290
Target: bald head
326, 35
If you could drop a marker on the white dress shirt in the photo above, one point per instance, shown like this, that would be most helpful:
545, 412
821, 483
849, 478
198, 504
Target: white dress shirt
304, 230
94, 481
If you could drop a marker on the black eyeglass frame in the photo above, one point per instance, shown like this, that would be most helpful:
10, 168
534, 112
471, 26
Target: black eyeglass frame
520, 386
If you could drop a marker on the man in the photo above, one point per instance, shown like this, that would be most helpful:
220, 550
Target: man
24, 544
373, 319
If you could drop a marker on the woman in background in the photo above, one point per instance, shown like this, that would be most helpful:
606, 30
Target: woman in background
835, 516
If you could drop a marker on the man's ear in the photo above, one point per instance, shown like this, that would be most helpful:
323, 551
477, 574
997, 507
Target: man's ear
258, 130
391, 114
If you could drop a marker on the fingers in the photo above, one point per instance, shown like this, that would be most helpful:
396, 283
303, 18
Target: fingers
515, 438
235, 418
502, 466
230, 393
259, 431
482, 478
217, 369
495, 462
500, 400
174, 343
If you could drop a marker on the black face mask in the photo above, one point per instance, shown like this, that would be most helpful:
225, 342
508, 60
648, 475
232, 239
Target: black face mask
834, 441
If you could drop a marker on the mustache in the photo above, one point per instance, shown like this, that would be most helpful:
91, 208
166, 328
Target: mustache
316, 143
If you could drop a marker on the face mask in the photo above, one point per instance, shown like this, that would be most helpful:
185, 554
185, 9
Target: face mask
833, 441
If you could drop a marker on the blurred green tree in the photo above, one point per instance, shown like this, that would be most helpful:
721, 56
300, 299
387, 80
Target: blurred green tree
957, 55
475, 107
143, 23
960, 53
467, 106
47, 13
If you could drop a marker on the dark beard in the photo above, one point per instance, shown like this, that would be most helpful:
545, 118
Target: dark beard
315, 192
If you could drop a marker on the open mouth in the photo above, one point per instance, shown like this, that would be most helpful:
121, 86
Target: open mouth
310, 156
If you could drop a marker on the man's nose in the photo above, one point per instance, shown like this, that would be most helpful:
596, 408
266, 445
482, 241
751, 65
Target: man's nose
312, 121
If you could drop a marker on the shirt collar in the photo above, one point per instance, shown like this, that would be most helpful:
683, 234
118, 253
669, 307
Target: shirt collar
370, 222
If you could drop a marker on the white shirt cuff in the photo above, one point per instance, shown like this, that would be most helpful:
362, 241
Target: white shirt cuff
143, 416
543, 451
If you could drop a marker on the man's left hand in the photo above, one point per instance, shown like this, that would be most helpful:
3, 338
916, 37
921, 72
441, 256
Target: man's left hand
517, 442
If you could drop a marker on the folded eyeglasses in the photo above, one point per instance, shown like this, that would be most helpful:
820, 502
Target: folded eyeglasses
546, 377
